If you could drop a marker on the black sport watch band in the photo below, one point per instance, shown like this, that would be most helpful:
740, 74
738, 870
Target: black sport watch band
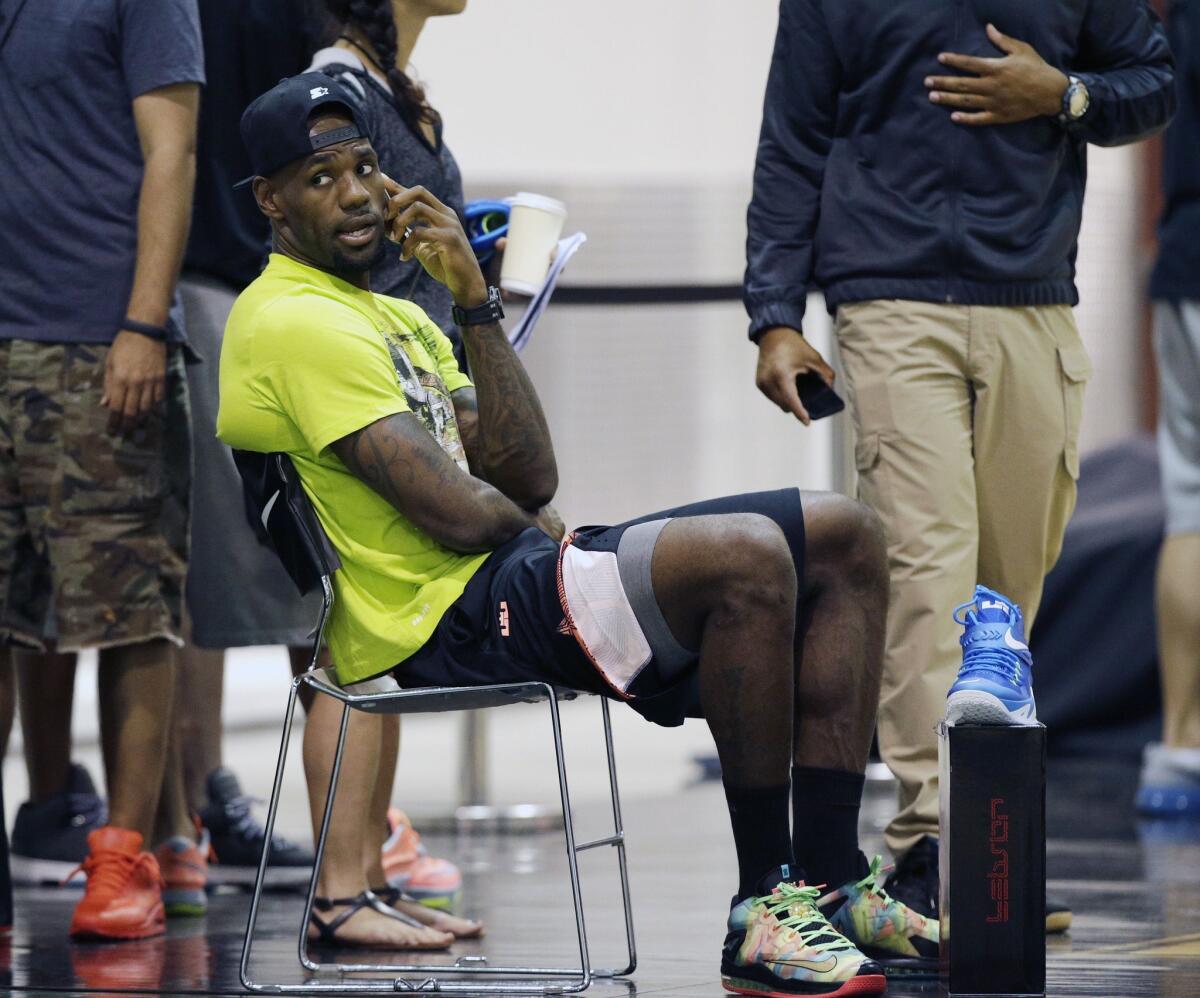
146, 329
491, 310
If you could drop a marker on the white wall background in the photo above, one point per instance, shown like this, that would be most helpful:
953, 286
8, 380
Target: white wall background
619, 92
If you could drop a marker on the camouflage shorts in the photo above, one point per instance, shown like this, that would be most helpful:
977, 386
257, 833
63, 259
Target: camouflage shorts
93, 526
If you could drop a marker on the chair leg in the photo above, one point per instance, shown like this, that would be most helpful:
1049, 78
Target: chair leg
585, 964
576, 980
619, 833
272, 811
322, 837
579, 979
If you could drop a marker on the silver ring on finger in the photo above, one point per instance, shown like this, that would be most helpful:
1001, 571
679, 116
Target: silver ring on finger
408, 229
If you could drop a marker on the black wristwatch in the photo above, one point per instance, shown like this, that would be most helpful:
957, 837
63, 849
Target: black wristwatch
491, 310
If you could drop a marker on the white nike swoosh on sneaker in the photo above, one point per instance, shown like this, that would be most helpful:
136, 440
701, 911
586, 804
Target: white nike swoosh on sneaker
1013, 643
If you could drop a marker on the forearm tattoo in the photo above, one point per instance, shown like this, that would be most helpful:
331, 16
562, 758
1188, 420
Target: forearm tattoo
398, 459
512, 445
382, 460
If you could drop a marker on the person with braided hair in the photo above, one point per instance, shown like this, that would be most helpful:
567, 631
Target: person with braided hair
372, 42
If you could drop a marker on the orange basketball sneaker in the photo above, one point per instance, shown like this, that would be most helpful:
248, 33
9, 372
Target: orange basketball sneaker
123, 896
435, 883
184, 868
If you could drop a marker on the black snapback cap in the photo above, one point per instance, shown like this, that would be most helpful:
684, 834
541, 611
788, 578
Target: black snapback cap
275, 125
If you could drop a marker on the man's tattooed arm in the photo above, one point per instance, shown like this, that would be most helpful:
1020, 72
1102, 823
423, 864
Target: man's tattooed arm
503, 426
511, 443
397, 457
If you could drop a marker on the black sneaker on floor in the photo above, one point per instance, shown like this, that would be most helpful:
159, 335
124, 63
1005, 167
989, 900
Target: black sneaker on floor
915, 882
1058, 916
237, 839
49, 838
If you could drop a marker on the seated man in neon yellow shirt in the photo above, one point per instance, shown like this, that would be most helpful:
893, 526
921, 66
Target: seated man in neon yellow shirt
434, 491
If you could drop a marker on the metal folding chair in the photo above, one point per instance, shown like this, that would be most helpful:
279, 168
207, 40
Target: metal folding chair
276, 501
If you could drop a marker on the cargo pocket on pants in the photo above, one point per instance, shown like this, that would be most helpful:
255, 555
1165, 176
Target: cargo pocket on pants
1075, 369
106, 474
872, 489
866, 452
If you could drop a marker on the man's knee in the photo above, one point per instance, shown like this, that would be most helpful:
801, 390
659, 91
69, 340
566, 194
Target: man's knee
723, 569
847, 537
758, 571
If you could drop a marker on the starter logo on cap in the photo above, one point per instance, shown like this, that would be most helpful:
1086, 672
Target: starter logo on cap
316, 92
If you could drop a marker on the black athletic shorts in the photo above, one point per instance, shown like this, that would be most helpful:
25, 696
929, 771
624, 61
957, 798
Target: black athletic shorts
582, 614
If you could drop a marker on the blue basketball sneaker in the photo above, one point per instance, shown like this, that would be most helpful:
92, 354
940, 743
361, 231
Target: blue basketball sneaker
1170, 782
994, 685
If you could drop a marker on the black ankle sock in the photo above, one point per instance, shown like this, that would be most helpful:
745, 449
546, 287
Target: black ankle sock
825, 806
759, 817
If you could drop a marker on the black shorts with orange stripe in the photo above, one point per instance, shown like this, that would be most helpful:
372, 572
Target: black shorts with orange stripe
581, 614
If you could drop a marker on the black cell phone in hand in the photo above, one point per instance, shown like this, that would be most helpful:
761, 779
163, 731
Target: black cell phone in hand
817, 397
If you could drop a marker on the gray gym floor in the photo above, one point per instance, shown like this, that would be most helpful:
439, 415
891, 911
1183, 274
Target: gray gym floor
1134, 887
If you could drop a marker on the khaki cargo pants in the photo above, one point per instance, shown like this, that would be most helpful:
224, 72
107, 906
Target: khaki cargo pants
967, 423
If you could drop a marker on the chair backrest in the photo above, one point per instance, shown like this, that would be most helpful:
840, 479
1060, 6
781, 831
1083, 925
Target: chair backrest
283, 518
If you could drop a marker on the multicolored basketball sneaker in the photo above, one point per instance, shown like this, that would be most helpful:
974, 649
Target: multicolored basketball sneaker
995, 684
779, 944
902, 941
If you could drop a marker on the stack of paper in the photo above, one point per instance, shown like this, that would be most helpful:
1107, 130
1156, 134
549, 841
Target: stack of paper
520, 334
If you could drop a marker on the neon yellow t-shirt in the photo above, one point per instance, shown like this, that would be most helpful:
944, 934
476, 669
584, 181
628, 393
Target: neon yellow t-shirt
306, 360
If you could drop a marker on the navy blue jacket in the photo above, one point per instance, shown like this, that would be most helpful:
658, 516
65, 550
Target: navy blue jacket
1177, 272
865, 188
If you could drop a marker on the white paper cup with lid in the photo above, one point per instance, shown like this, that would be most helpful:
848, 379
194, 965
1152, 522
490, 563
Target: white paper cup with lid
534, 224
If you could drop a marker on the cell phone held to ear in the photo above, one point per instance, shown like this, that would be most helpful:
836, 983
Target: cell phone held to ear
817, 397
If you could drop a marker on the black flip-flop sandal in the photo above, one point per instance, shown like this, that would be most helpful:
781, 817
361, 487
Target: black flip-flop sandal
388, 896
327, 931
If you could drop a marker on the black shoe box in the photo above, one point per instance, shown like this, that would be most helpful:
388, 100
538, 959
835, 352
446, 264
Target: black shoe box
992, 860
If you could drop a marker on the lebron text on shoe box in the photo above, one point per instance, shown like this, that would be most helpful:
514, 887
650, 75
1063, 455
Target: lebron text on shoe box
993, 859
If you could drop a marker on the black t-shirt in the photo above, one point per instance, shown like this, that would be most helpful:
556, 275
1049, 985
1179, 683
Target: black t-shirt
249, 46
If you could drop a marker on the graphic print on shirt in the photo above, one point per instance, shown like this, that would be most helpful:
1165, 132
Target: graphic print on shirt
425, 392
